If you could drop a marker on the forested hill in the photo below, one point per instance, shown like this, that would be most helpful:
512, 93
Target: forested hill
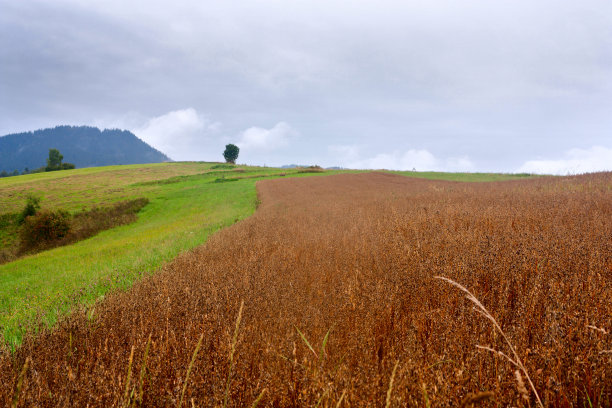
84, 146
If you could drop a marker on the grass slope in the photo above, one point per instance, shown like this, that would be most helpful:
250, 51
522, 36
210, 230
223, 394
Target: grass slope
187, 203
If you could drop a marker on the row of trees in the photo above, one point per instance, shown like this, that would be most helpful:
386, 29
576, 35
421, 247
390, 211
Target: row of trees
54, 163
5, 173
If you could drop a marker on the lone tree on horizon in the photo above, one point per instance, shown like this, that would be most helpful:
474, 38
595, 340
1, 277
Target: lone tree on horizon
55, 159
54, 162
231, 153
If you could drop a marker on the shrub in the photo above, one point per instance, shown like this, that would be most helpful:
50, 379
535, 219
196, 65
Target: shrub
222, 166
7, 220
48, 229
225, 180
32, 205
44, 229
6, 255
89, 223
311, 169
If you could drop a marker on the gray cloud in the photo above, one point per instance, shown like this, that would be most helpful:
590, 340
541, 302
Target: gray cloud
182, 133
574, 161
420, 160
498, 82
257, 138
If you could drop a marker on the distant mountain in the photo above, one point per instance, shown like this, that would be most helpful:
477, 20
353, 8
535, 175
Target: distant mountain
84, 146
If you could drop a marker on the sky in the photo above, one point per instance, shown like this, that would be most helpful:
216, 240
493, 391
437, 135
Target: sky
444, 85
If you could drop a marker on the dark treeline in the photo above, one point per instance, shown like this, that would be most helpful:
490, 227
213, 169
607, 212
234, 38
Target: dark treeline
54, 163
86, 146
5, 173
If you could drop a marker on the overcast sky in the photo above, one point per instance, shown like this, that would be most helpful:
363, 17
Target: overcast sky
470, 85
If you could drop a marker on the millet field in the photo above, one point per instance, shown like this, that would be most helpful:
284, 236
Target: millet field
352, 290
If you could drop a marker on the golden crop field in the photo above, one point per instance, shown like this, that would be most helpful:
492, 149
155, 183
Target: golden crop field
330, 295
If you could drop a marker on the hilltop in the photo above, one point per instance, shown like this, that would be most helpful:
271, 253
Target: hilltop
85, 146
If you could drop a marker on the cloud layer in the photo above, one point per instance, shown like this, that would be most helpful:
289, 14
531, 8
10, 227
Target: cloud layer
419, 160
257, 138
181, 134
574, 161
476, 79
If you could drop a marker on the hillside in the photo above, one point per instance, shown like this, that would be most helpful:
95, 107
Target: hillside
84, 146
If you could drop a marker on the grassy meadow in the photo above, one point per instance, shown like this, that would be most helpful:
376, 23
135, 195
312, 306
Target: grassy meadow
187, 202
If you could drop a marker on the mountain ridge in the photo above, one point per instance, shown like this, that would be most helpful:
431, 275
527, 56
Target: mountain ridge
85, 146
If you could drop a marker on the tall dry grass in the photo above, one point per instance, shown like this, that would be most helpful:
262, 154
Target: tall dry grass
326, 297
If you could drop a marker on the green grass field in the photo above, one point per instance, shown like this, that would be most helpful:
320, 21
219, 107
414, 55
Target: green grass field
188, 202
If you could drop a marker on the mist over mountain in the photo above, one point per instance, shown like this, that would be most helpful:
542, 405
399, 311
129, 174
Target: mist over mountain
85, 146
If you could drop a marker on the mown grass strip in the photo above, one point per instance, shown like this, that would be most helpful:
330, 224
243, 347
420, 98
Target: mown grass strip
180, 216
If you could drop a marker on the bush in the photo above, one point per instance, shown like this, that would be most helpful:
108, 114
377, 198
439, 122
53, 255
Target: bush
7, 220
223, 166
32, 205
6, 255
44, 229
89, 223
48, 229
311, 169
225, 180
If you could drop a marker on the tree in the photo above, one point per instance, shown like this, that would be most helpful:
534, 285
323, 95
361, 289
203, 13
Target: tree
231, 153
54, 162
